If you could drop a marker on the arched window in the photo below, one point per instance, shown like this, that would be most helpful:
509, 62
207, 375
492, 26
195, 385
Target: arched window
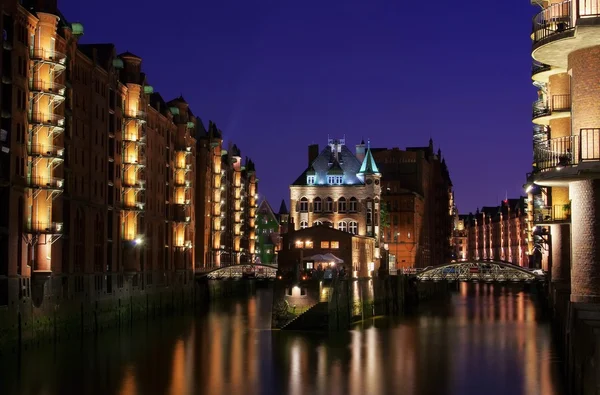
342, 205
353, 206
303, 207
329, 205
317, 223
317, 205
353, 227
303, 224
343, 226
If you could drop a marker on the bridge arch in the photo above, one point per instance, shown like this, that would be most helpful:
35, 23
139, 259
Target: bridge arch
480, 270
240, 271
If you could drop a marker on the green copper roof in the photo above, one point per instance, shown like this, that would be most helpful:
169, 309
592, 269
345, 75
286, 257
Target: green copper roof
369, 166
77, 28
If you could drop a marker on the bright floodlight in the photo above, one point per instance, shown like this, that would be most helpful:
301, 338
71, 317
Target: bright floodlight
138, 241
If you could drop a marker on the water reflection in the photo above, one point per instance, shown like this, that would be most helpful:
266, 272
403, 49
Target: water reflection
485, 339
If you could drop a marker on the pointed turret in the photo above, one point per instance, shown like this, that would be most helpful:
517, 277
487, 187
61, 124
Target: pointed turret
369, 166
283, 208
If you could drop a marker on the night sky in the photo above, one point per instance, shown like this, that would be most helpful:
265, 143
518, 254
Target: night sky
278, 75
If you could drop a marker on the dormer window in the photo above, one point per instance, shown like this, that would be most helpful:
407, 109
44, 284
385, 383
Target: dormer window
310, 180
334, 180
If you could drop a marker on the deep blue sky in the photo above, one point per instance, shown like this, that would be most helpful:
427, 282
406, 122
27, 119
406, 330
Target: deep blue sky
277, 75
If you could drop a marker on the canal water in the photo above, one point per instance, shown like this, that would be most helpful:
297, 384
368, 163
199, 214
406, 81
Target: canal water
485, 339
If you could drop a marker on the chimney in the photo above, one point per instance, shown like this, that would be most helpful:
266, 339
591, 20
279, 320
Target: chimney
360, 151
313, 152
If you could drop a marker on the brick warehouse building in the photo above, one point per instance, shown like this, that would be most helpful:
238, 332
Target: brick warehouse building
497, 232
417, 193
100, 177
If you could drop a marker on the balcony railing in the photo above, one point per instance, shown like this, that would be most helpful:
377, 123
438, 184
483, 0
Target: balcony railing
139, 115
561, 17
554, 19
48, 151
47, 119
48, 56
538, 67
45, 182
569, 150
48, 87
560, 103
557, 103
549, 214
43, 227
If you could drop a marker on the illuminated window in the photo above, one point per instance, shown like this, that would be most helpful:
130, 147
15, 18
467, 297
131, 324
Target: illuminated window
303, 224
309, 265
310, 180
299, 244
343, 226
329, 205
324, 244
353, 227
303, 206
308, 244
335, 244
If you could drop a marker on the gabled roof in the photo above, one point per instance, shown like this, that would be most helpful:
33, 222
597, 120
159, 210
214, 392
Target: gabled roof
346, 161
265, 206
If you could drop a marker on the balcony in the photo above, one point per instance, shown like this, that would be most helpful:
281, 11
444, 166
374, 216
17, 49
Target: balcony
48, 56
137, 184
48, 119
45, 151
43, 227
50, 183
139, 116
135, 206
564, 27
580, 151
559, 106
49, 88
541, 72
552, 214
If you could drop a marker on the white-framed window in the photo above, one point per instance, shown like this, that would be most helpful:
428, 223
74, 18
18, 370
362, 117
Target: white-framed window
353, 227
353, 206
310, 180
342, 205
303, 207
317, 223
334, 180
317, 205
329, 205
343, 226
303, 224
309, 265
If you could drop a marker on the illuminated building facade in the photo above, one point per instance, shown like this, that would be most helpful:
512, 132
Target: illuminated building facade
227, 197
498, 233
340, 189
419, 201
98, 171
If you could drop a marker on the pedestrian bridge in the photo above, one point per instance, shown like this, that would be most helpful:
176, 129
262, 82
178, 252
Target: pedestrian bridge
481, 270
239, 272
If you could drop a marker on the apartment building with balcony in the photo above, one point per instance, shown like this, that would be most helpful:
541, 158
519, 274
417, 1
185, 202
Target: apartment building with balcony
564, 185
227, 196
418, 196
97, 171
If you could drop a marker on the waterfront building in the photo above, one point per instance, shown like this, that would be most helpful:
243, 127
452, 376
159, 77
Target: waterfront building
227, 197
340, 189
101, 183
268, 232
419, 202
497, 233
